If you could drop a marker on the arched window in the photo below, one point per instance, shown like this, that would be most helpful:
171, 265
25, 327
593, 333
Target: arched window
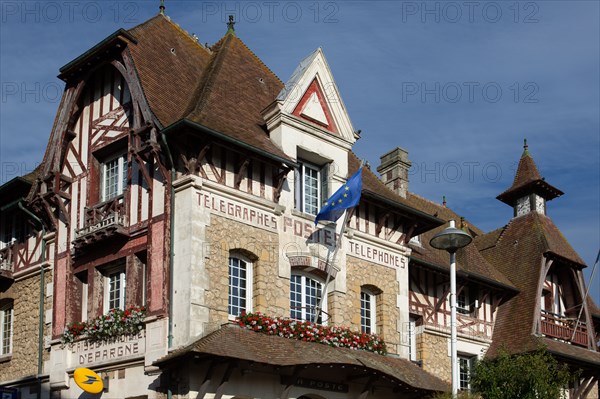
240, 285
6, 326
305, 295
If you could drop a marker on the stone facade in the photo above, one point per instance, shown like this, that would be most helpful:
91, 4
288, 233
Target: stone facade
432, 350
381, 281
270, 293
26, 295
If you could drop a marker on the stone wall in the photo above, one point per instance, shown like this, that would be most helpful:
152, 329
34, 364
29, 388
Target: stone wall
270, 293
345, 308
433, 351
26, 296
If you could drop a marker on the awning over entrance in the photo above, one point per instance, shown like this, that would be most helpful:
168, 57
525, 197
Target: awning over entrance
297, 363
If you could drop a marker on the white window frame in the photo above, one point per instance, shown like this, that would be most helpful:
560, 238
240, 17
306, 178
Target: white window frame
6, 322
300, 186
84, 300
121, 176
368, 302
301, 306
248, 285
412, 339
415, 240
119, 272
465, 306
469, 360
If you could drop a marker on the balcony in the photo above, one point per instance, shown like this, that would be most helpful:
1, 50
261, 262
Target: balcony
104, 221
562, 328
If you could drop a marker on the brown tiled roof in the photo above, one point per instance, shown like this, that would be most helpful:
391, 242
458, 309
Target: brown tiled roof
528, 179
469, 261
373, 186
518, 251
170, 64
236, 87
237, 343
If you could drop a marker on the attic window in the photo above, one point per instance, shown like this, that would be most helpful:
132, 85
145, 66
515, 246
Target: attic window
172, 50
261, 80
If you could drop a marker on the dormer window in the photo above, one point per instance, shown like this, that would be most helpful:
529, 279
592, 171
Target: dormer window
114, 177
415, 240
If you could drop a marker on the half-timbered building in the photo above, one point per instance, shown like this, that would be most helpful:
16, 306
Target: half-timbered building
181, 181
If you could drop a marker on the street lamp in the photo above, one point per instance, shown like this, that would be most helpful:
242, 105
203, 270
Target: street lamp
450, 240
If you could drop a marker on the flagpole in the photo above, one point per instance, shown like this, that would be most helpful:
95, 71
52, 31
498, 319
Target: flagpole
338, 244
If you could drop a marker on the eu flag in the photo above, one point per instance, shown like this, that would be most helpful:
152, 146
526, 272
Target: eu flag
345, 197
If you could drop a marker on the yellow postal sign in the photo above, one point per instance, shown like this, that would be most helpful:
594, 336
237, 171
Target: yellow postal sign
88, 380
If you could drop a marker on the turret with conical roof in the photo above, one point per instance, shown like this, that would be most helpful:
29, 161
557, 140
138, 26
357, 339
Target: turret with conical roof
529, 191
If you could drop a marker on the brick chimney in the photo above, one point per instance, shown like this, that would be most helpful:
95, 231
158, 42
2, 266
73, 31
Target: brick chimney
394, 170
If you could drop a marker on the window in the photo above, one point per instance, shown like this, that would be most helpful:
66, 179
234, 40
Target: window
465, 366
367, 312
311, 187
412, 339
240, 285
415, 240
305, 294
6, 324
114, 177
462, 302
114, 290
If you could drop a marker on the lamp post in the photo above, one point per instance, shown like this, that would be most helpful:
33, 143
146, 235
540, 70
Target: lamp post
450, 240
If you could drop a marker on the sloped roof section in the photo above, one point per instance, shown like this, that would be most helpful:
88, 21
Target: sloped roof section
469, 261
238, 343
236, 88
519, 252
373, 187
528, 180
170, 64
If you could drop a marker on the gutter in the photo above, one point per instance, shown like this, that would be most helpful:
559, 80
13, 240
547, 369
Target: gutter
109, 41
431, 219
203, 129
464, 274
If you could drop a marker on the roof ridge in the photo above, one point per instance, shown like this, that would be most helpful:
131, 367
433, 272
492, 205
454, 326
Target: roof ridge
504, 229
138, 26
202, 92
422, 198
186, 34
490, 233
258, 59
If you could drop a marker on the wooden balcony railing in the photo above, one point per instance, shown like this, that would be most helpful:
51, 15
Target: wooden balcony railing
103, 221
559, 327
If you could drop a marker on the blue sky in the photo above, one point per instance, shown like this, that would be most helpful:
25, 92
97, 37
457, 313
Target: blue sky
457, 84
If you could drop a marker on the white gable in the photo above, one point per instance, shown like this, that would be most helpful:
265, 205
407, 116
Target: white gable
322, 104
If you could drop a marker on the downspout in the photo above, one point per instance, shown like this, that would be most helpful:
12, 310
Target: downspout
42, 293
171, 248
171, 242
